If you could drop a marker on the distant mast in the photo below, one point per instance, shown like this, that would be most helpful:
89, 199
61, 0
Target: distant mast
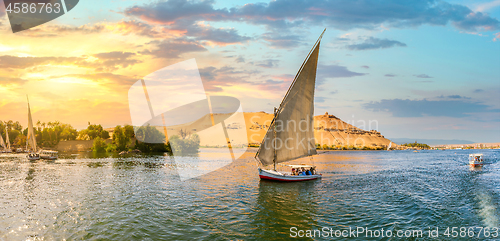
2, 143
7, 138
30, 139
291, 133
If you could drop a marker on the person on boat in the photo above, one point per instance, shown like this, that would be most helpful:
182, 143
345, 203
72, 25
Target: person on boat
293, 172
308, 172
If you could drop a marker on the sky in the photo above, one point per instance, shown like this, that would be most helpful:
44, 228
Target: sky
412, 69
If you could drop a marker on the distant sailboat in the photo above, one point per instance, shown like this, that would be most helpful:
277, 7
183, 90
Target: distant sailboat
389, 147
30, 139
7, 150
291, 135
2, 143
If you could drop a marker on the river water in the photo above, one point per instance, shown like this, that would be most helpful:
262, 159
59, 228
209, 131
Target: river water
143, 198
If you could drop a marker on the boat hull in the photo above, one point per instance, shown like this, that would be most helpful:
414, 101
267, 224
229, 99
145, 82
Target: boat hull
33, 158
476, 164
48, 157
280, 177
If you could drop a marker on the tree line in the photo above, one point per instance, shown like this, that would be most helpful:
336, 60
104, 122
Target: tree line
123, 138
418, 145
47, 134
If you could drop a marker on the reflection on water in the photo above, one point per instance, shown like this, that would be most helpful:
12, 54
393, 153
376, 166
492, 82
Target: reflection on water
88, 196
280, 206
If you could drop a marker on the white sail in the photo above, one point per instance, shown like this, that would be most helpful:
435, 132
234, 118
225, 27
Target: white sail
30, 139
7, 138
2, 143
291, 134
390, 144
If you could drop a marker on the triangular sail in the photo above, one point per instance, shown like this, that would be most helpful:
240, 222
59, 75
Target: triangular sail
2, 143
291, 134
390, 144
30, 139
7, 138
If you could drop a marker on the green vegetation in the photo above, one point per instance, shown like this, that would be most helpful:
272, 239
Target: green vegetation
155, 140
124, 140
417, 145
92, 132
46, 134
99, 145
347, 147
185, 145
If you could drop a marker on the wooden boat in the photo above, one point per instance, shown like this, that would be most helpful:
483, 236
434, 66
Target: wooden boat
48, 155
30, 139
291, 135
476, 160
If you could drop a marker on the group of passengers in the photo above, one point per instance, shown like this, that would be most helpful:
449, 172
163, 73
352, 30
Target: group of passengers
303, 172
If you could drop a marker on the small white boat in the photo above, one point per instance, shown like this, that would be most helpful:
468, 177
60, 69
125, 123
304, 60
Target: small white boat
291, 176
33, 156
476, 160
48, 155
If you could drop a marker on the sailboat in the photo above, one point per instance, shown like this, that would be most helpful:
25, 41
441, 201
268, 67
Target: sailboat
389, 147
2, 143
7, 150
291, 135
30, 139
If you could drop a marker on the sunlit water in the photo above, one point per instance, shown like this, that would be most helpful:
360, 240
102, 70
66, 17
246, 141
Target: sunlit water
143, 198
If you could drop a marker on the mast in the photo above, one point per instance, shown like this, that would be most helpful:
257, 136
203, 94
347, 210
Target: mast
2, 143
275, 154
7, 138
31, 134
296, 107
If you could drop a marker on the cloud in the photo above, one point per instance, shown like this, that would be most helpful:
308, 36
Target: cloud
277, 40
375, 43
52, 30
453, 97
278, 83
109, 79
168, 12
421, 108
268, 63
104, 61
488, 5
215, 78
319, 99
424, 76
114, 60
497, 37
173, 48
2, 9
477, 20
220, 36
240, 59
338, 14
478, 90
334, 71
365, 66
390, 75
8, 81
14, 62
